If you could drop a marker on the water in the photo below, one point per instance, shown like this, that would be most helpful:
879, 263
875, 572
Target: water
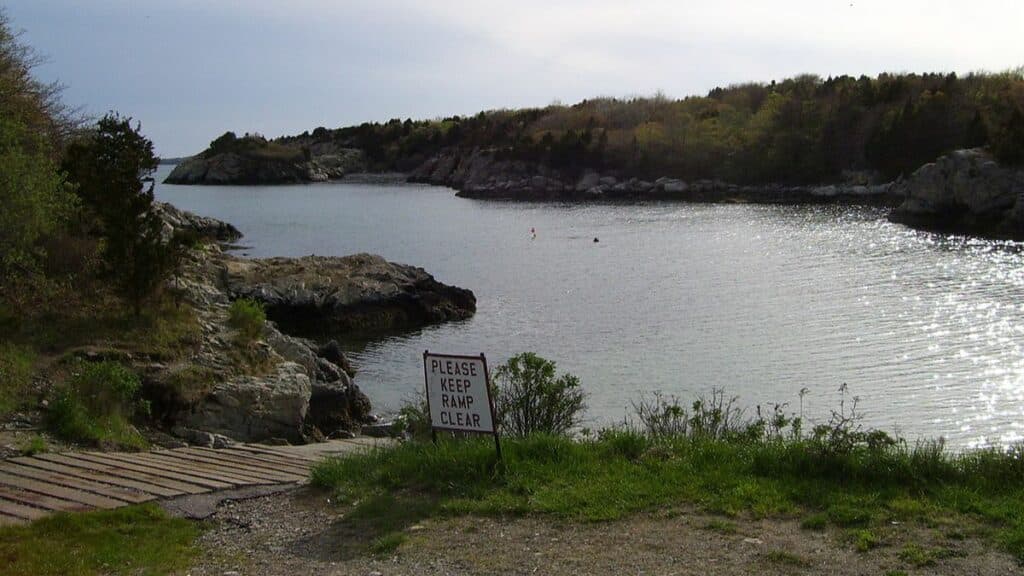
763, 301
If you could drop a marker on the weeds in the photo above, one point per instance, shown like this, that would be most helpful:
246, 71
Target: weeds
247, 317
34, 445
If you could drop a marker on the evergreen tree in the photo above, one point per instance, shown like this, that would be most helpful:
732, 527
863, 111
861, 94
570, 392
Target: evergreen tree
112, 167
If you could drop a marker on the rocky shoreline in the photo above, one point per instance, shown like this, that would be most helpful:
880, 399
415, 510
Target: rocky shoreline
481, 174
283, 388
963, 192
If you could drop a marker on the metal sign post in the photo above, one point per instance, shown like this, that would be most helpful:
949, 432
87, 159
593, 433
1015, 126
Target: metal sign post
459, 395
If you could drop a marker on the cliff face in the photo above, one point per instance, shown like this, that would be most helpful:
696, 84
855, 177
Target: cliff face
325, 163
967, 192
481, 174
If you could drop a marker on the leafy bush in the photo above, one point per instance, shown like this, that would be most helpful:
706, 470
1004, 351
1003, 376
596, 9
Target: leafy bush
530, 399
96, 405
248, 317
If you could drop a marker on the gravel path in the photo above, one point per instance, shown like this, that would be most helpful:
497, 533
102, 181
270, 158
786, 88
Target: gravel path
302, 532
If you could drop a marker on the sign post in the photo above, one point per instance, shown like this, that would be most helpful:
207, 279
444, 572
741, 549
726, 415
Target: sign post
459, 395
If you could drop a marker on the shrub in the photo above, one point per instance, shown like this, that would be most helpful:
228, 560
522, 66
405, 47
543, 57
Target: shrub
96, 406
248, 317
15, 375
529, 398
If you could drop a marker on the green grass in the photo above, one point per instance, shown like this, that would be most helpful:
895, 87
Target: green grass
387, 543
132, 540
783, 558
606, 479
721, 527
36, 444
865, 540
247, 317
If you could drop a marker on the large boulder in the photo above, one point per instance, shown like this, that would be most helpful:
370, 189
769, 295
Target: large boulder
966, 191
338, 406
320, 295
251, 408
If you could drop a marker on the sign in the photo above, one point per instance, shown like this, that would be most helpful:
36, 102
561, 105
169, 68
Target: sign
458, 394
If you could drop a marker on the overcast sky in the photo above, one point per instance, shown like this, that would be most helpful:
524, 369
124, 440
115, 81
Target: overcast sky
191, 69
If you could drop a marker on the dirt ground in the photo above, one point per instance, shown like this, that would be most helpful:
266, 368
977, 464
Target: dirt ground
302, 532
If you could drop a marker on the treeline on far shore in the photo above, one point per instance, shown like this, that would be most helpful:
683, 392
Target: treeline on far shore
800, 130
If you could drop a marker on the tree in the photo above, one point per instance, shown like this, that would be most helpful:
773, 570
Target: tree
35, 199
112, 167
36, 105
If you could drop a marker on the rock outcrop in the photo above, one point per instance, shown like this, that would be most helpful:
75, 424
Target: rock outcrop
480, 174
966, 191
318, 295
264, 390
281, 386
324, 162
176, 220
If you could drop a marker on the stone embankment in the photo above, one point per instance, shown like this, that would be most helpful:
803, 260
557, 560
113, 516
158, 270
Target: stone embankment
966, 191
480, 174
281, 386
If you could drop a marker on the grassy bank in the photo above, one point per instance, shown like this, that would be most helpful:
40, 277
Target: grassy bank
132, 540
865, 492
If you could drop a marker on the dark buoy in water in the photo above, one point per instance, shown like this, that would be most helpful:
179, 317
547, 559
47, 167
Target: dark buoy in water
596, 240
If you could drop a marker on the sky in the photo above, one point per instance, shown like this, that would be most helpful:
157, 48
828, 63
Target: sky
189, 70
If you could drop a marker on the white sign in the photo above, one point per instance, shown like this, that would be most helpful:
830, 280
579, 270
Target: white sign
457, 393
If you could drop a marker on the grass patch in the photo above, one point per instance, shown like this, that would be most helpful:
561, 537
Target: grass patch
34, 445
606, 478
783, 558
721, 527
815, 522
130, 540
920, 556
865, 540
15, 376
247, 317
387, 543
